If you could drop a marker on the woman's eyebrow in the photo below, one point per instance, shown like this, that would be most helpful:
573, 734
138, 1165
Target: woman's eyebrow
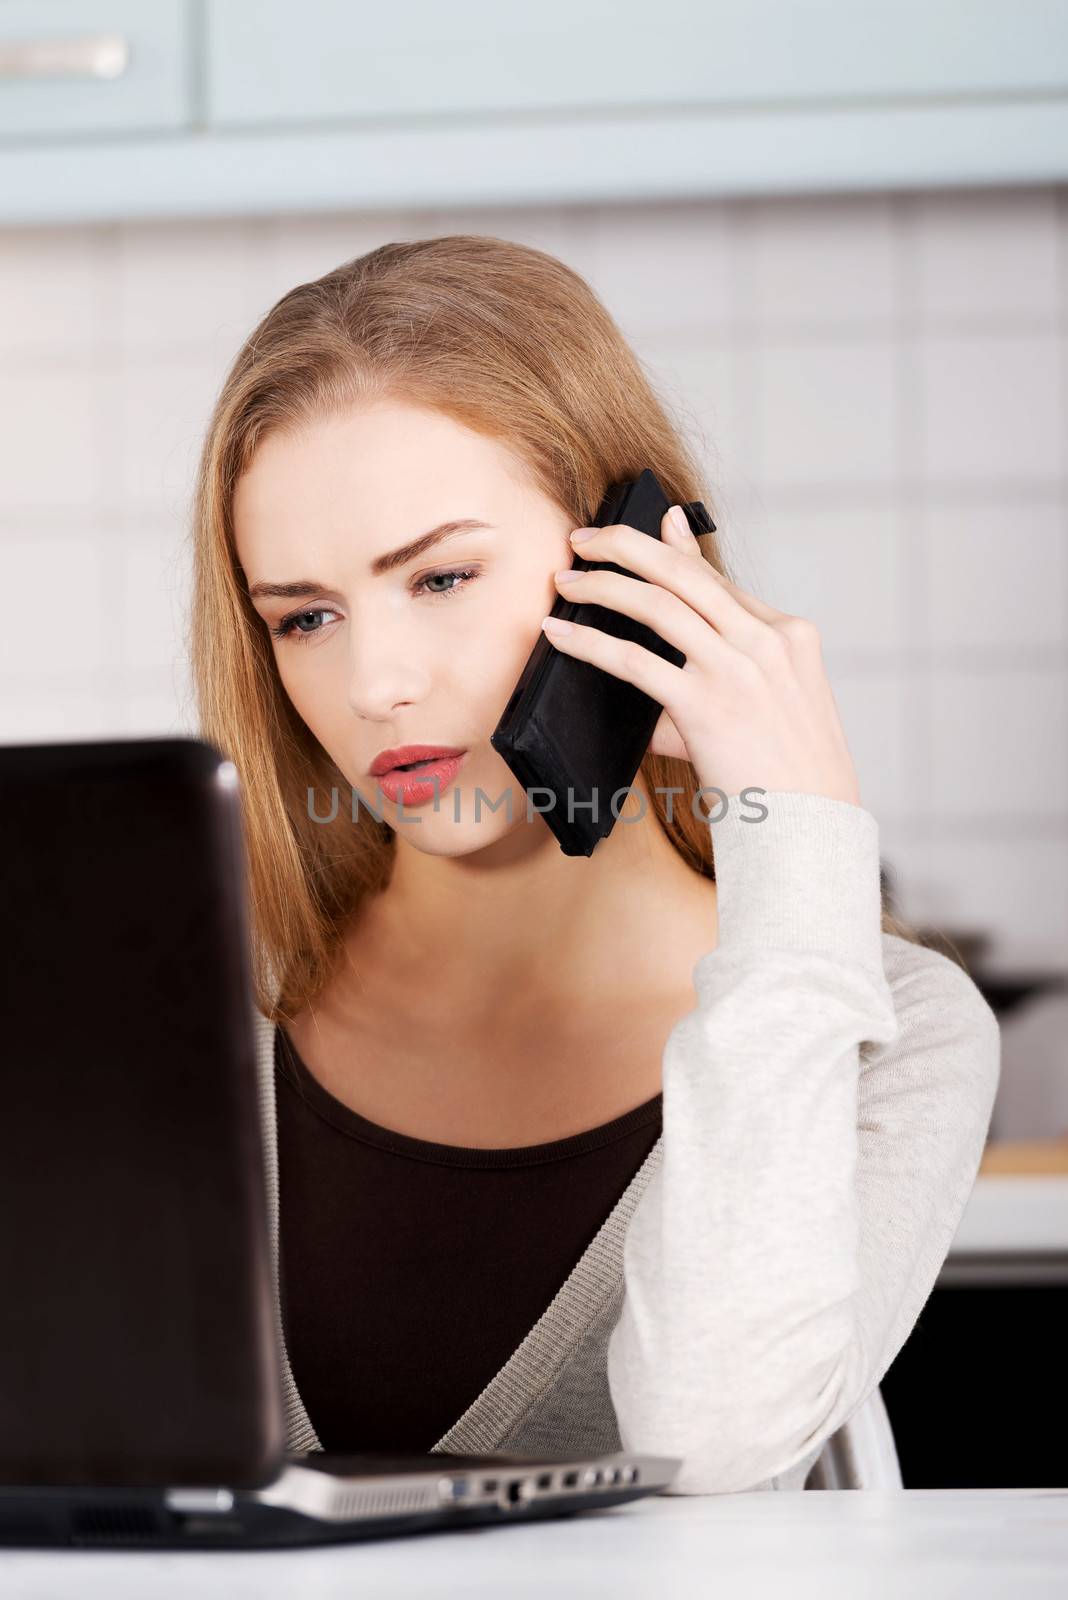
302, 587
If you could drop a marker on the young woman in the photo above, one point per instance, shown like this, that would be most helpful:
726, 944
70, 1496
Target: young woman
664, 1146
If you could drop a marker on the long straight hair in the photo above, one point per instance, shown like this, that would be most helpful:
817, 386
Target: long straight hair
514, 344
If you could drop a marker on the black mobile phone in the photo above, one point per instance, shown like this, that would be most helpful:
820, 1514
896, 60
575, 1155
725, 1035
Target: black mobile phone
571, 732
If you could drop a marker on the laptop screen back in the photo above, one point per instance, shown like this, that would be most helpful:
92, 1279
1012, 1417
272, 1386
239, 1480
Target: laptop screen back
136, 1314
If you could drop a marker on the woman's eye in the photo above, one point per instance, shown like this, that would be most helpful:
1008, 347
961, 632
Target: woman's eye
462, 576
456, 578
287, 624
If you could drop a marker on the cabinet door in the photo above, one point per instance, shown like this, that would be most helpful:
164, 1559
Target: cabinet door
338, 61
94, 66
975, 1396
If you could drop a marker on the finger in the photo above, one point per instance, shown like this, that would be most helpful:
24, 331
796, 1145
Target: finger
667, 740
752, 603
696, 582
672, 618
623, 658
676, 531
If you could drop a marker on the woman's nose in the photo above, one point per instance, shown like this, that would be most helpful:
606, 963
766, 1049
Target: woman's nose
385, 669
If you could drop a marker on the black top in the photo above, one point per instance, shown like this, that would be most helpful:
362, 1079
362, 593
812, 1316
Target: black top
410, 1271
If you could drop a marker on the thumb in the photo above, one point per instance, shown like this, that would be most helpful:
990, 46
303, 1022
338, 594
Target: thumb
667, 740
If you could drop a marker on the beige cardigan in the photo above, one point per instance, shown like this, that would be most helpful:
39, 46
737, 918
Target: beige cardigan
825, 1109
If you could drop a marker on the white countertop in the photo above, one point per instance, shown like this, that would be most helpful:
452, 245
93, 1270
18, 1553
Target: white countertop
807, 1545
1010, 1212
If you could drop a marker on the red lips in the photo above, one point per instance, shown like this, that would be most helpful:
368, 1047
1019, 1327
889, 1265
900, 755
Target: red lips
386, 760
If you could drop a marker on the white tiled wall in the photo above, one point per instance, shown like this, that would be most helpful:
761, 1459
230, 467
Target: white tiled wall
876, 383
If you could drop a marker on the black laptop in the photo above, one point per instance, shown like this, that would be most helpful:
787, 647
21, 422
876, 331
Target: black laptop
140, 1393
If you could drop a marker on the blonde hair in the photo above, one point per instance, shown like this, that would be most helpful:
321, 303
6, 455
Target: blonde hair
512, 343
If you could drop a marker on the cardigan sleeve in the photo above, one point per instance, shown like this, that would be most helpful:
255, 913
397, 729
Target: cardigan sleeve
825, 1109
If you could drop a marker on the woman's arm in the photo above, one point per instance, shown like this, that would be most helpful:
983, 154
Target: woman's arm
825, 1109
826, 1103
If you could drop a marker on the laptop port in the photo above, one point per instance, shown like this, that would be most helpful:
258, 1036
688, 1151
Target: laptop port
516, 1493
545, 1481
570, 1480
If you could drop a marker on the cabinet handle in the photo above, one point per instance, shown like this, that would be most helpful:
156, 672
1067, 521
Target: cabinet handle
102, 55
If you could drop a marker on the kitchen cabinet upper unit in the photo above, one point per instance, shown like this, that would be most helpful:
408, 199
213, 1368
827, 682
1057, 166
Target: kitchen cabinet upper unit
273, 62
243, 106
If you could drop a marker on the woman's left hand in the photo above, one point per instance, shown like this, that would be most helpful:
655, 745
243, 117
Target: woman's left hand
752, 706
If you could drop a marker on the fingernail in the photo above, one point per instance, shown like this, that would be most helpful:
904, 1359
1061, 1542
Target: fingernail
580, 534
556, 625
679, 519
566, 575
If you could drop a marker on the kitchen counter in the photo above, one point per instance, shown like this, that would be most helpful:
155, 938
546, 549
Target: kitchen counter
882, 1543
1016, 1221
1022, 1157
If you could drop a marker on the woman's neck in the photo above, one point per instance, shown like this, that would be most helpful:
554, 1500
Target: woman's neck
521, 932
513, 1002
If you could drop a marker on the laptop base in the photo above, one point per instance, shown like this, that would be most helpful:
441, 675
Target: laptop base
329, 1500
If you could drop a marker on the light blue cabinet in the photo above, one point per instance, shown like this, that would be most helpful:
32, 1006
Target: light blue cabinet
70, 68
272, 62
226, 107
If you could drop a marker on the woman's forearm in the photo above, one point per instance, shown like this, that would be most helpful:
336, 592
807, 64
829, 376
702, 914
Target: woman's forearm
825, 1109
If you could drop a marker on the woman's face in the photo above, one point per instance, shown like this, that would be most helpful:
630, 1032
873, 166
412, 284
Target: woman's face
427, 648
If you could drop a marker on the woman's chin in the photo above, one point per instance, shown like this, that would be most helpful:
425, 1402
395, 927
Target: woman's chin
443, 836
457, 827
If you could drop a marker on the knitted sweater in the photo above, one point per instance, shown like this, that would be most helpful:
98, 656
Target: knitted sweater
825, 1109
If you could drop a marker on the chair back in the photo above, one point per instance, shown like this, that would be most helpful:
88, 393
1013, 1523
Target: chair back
861, 1454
